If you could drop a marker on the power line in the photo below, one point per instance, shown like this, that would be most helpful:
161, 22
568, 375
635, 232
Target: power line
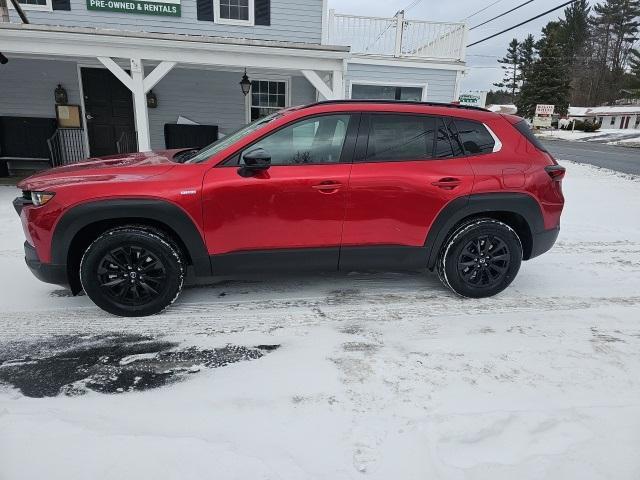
482, 10
502, 14
521, 23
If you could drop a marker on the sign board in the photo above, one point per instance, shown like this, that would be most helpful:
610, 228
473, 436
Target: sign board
473, 99
170, 8
545, 109
542, 122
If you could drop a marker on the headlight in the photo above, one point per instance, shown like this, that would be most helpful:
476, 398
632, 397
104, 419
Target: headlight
40, 198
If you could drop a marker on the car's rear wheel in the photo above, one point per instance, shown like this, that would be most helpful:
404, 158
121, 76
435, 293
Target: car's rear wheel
132, 271
480, 259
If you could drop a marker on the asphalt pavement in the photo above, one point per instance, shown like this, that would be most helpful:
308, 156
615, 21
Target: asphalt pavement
621, 159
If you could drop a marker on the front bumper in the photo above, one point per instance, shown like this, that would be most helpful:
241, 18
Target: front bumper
46, 272
543, 241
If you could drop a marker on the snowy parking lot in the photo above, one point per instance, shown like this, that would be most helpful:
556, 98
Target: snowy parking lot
366, 375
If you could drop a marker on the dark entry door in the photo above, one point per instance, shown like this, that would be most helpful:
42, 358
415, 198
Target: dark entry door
109, 110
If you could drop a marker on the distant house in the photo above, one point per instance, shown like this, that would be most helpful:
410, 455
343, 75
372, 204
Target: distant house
610, 117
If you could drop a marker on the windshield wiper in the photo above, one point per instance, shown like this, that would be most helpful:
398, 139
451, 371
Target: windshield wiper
185, 155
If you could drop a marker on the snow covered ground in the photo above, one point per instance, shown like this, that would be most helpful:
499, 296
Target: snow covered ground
378, 376
627, 138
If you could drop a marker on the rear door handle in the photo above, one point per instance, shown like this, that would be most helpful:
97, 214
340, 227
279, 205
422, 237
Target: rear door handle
447, 183
328, 186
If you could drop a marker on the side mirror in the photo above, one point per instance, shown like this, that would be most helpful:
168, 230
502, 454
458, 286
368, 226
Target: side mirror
256, 160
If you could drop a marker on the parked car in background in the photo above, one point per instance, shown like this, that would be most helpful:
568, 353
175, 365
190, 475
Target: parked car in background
339, 185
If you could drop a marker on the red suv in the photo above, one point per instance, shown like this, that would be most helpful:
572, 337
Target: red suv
340, 185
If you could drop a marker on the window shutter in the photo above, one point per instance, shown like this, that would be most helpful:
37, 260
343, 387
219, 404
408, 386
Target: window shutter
61, 4
205, 10
262, 12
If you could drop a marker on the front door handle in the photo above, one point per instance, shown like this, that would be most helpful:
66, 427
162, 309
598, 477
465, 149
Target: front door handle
328, 186
447, 183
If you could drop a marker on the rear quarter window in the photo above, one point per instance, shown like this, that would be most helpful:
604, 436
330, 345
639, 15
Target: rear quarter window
475, 137
524, 128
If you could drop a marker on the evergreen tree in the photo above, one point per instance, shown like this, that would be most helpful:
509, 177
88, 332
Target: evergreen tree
548, 81
615, 27
526, 54
575, 39
510, 64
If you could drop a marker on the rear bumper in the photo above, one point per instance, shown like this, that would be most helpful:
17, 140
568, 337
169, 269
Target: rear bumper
46, 272
543, 241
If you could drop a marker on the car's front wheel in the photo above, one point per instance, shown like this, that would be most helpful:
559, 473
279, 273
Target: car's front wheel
480, 258
132, 271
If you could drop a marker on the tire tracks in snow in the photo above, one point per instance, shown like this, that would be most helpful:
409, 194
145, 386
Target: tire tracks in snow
268, 315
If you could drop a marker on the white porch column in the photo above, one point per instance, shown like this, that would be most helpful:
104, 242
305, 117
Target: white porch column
139, 86
337, 82
140, 105
335, 92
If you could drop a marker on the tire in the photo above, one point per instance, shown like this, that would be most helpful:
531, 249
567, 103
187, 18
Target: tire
132, 271
480, 258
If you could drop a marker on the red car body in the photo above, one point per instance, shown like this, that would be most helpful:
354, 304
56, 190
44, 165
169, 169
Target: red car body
403, 208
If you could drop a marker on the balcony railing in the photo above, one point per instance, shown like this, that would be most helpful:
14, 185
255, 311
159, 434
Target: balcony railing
398, 37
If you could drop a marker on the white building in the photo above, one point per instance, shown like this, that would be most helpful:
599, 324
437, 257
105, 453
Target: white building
614, 117
113, 58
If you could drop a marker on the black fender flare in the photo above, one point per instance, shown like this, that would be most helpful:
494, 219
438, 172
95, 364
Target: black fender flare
476, 204
159, 211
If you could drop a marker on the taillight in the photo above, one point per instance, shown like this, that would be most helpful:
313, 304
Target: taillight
556, 172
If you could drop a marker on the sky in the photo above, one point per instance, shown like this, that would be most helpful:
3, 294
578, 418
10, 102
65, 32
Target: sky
483, 68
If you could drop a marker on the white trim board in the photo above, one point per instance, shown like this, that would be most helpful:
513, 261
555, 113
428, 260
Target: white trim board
423, 86
420, 63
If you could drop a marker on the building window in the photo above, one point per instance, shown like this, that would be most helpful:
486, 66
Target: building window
267, 96
613, 121
363, 91
234, 12
33, 4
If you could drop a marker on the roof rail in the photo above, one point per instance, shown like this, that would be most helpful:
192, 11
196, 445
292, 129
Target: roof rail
405, 102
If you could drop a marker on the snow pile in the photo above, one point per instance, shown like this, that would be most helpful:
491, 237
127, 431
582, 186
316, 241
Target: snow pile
378, 376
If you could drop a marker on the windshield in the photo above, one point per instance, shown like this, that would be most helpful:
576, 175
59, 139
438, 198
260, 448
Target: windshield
219, 145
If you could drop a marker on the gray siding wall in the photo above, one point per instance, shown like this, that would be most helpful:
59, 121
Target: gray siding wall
26, 87
208, 97
441, 83
291, 20
204, 96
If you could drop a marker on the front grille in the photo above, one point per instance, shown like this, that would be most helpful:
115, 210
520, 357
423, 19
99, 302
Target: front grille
26, 195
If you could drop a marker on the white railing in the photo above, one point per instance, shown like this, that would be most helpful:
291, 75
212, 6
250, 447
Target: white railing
398, 37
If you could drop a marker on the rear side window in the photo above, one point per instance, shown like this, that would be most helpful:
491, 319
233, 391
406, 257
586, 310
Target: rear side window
443, 144
456, 142
475, 137
400, 137
524, 129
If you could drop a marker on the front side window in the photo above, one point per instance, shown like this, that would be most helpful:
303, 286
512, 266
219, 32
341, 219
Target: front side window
316, 140
386, 92
613, 121
474, 137
267, 97
400, 137
237, 12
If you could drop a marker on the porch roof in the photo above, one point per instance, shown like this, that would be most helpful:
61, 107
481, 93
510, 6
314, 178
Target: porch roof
192, 49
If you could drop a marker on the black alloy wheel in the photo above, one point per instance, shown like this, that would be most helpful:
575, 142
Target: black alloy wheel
131, 275
480, 259
132, 271
484, 261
